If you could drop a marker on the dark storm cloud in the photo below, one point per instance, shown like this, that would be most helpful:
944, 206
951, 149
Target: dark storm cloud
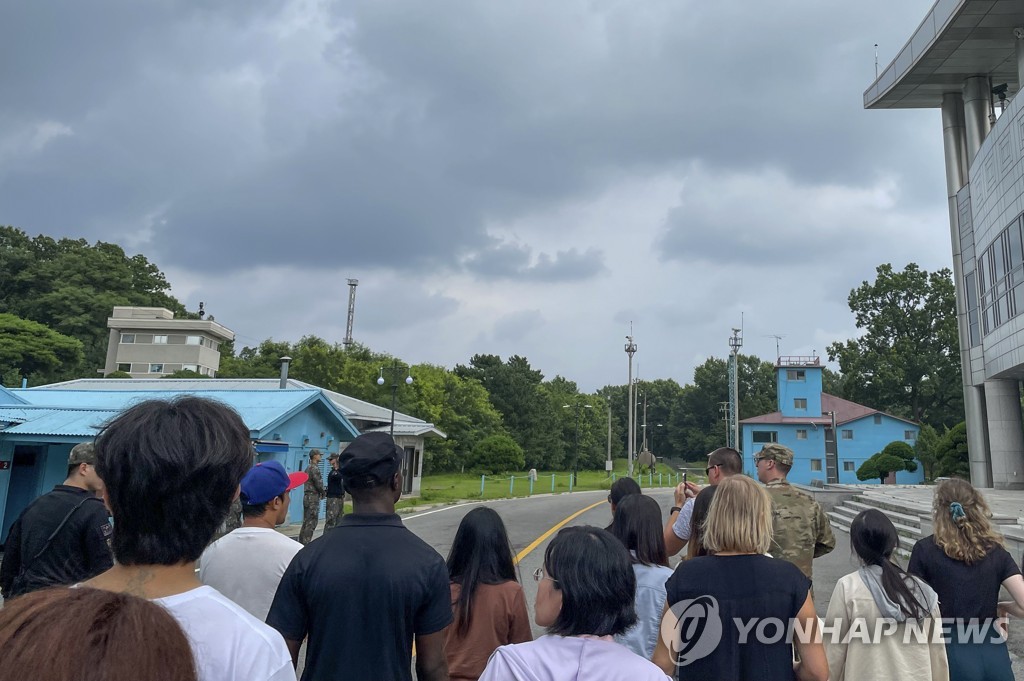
507, 260
390, 134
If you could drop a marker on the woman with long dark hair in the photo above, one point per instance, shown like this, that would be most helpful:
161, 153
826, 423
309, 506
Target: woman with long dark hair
637, 525
879, 590
965, 561
701, 505
487, 600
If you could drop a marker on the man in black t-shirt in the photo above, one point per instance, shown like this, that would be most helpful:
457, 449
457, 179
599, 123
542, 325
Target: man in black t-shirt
335, 493
369, 587
62, 537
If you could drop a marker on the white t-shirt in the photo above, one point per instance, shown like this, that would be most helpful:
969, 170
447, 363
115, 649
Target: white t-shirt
229, 644
246, 565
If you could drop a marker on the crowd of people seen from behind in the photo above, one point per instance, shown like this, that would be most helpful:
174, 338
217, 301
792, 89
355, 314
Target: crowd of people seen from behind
118, 574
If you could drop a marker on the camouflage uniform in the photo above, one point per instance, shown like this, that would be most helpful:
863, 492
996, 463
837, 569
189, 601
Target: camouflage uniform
801, 530
314, 491
335, 502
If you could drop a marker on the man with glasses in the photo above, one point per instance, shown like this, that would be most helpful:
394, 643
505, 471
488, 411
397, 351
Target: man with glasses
62, 537
722, 463
801, 530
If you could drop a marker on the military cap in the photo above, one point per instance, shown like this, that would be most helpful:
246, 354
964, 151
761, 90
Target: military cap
776, 452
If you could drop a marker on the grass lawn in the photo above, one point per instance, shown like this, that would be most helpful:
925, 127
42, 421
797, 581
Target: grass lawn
448, 487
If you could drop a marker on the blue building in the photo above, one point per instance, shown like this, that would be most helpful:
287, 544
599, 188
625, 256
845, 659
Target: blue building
38, 428
807, 421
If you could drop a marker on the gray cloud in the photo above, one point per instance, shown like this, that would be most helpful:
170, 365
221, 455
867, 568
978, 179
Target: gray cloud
509, 260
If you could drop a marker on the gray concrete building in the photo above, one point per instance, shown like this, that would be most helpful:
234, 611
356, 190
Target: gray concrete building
967, 59
150, 342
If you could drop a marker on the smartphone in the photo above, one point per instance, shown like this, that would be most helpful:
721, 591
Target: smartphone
684, 477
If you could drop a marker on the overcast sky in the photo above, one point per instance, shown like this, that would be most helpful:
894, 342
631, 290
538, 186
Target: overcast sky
512, 178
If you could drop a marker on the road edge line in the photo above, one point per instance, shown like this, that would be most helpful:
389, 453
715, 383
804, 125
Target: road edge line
539, 540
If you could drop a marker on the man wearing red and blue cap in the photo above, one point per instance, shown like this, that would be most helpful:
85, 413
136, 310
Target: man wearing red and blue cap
246, 564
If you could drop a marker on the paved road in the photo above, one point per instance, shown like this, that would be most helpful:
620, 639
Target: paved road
528, 519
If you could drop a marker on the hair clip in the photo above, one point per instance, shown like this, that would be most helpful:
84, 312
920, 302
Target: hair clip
957, 510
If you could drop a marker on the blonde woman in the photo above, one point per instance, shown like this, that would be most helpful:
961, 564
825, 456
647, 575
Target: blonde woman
738, 584
966, 563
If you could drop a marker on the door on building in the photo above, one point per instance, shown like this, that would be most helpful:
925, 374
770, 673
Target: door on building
26, 467
831, 458
410, 464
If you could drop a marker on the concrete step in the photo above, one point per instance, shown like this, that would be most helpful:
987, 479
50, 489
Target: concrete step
887, 503
845, 514
842, 522
907, 519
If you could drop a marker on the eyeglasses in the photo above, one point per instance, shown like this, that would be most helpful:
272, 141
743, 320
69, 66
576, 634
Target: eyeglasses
707, 471
538, 575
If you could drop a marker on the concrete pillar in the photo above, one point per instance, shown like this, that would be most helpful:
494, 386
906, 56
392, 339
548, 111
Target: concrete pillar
977, 107
1005, 433
955, 149
1018, 33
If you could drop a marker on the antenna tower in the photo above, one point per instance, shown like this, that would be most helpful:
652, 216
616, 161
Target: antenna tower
733, 439
352, 283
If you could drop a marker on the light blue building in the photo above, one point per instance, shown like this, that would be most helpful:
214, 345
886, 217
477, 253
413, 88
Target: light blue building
807, 420
38, 428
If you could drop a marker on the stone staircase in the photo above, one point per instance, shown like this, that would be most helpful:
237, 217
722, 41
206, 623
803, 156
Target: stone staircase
911, 516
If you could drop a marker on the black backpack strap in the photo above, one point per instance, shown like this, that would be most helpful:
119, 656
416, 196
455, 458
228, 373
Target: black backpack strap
53, 535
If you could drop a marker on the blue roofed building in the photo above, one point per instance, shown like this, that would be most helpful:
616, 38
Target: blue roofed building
807, 421
38, 428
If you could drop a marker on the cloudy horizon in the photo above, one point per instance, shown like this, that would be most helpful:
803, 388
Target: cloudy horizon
509, 179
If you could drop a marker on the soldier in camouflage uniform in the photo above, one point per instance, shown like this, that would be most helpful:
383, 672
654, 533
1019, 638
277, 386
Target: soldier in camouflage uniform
314, 492
802, 531
335, 494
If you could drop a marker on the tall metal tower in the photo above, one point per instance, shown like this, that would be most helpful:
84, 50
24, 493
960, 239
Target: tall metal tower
735, 342
352, 283
630, 350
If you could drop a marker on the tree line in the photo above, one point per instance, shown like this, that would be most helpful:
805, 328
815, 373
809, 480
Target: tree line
56, 294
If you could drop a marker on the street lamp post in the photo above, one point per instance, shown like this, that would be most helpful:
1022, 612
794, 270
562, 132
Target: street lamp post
576, 445
630, 351
394, 371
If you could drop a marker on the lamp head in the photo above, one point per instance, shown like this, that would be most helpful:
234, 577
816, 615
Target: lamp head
408, 380
380, 381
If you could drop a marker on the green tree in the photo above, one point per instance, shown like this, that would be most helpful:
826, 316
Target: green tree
72, 287
952, 454
183, 373
926, 449
897, 456
118, 374
498, 454
35, 351
907, 359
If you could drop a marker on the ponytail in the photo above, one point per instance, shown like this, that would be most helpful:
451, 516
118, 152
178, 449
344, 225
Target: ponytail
874, 538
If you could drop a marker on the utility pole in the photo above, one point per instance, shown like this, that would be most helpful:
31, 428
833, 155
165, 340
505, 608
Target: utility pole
608, 464
352, 283
630, 351
735, 342
576, 441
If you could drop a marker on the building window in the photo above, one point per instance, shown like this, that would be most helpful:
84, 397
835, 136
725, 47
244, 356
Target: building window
796, 375
801, 435
847, 434
815, 465
156, 368
764, 437
125, 367
878, 419
847, 465
159, 340
190, 367
799, 402
193, 340
127, 338
909, 435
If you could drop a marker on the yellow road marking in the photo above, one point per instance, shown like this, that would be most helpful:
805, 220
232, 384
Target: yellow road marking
539, 540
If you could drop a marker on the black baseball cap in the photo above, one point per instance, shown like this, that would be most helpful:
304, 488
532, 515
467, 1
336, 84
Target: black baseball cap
370, 460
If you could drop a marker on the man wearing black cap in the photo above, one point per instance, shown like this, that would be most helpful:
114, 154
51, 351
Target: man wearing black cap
62, 537
368, 587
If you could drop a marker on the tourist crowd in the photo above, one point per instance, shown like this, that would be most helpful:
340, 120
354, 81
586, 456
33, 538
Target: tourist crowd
91, 596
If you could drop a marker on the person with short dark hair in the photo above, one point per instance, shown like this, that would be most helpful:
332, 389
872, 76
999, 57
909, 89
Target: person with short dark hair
247, 564
367, 589
620, 489
313, 493
91, 635
61, 537
701, 505
722, 463
584, 599
487, 599
637, 525
335, 494
171, 469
